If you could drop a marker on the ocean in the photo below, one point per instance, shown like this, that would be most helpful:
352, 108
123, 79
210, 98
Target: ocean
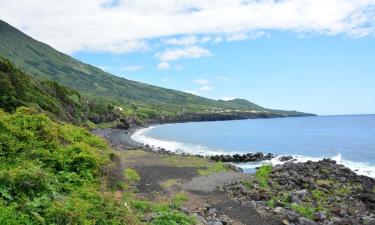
349, 139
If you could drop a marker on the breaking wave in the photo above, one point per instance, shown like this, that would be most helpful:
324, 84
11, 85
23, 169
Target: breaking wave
141, 136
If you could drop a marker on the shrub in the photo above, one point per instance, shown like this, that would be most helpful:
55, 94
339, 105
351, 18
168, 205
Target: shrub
262, 175
178, 199
172, 218
132, 175
114, 171
305, 210
318, 195
50, 173
271, 203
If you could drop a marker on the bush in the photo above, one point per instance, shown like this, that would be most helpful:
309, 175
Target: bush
50, 173
262, 175
305, 210
172, 218
132, 175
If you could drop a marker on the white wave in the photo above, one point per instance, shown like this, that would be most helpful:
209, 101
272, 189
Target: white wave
173, 146
141, 136
360, 168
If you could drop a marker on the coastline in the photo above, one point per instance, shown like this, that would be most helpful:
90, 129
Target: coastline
243, 161
361, 167
227, 193
310, 185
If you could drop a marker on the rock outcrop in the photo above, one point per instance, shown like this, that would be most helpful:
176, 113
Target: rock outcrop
313, 193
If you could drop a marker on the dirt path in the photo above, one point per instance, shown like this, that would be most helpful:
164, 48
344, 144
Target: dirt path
168, 174
209, 183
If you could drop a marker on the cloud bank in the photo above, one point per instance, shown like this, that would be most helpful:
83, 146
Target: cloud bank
122, 26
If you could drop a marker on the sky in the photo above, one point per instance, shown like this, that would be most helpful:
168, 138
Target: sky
314, 56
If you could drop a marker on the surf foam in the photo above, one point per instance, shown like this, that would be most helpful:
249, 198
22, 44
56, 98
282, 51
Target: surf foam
141, 136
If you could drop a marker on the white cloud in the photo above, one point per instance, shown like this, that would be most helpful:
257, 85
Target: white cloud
100, 25
201, 81
246, 36
187, 40
207, 88
163, 66
132, 68
191, 92
181, 53
227, 98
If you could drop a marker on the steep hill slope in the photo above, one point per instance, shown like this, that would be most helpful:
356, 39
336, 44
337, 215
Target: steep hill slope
42, 61
20, 89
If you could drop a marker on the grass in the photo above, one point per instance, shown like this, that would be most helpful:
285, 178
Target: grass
248, 184
305, 210
132, 175
318, 195
271, 203
180, 198
170, 183
54, 173
262, 175
186, 161
213, 168
165, 212
172, 218
323, 183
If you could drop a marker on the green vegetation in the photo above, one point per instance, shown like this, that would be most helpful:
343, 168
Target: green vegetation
320, 195
20, 89
305, 210
324, 183
170, 183
204, 167
144, 101
172, 218
50, 172
132, 175
179, 198
271, 203
213, 168
262, 175
165, 212
55, 173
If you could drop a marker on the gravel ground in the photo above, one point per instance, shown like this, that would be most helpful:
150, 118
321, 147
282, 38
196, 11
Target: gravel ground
117, 138
154, 170
209, 183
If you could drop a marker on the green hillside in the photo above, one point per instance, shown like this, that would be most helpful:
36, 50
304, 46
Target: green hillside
42, 61
20, 89
56, 173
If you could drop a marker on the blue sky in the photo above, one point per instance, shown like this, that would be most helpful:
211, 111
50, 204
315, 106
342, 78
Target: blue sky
319, 74
309, 55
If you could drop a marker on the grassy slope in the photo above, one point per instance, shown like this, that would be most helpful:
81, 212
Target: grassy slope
53, 173
43, 61
21, 89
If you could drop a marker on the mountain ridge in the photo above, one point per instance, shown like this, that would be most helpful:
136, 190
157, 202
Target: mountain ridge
42, 61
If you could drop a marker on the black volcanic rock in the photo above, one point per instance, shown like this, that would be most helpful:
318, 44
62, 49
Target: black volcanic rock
320, 193
249, 157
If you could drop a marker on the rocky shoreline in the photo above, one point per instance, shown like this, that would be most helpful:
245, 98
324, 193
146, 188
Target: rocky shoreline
311, 193
121, 140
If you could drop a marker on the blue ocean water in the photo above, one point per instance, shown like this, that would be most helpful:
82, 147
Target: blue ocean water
348, 139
